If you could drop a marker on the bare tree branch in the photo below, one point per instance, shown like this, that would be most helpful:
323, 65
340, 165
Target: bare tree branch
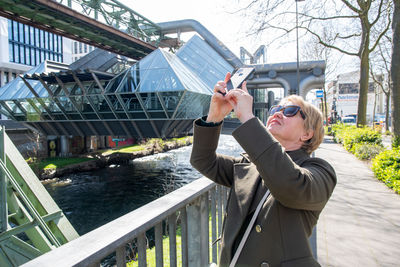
382, 34
322, 42
378, 15
358, 11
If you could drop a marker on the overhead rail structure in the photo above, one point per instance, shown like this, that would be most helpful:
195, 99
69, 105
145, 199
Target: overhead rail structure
112, 27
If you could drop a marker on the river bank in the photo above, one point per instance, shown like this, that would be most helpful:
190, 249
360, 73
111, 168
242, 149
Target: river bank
101, 159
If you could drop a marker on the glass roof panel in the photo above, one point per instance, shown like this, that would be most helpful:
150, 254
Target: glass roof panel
170, 82
190, 81
145, 62
137, 75
159, 61
204, 61
17, 89
39, 88
115, 82
151, 80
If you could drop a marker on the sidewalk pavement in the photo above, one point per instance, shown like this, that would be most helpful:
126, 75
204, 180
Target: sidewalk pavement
360, 225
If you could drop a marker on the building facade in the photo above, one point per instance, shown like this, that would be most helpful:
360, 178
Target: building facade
23, 47
343, 95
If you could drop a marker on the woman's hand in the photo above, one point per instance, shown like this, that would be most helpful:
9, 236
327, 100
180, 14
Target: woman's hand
219, 106
242, 103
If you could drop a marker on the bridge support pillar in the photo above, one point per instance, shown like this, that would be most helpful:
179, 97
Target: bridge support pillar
64, 145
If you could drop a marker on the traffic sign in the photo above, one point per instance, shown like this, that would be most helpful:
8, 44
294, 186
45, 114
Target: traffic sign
319, 93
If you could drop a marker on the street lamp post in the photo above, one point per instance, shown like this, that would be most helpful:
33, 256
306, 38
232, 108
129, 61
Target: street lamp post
297, 47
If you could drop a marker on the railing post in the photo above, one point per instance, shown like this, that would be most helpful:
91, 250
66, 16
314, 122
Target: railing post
172, 239
205, 233
3, 184
214, 223
142, 246
184, 237
159, 245
197, 220
121, 256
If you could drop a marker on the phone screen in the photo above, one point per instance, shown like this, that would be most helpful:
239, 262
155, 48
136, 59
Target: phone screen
239, 77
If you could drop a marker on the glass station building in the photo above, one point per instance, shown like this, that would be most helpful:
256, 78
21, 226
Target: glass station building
99, 95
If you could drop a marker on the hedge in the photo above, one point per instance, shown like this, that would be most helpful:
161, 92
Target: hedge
386, 167
365, 144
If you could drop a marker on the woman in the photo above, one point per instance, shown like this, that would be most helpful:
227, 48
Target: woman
277, 159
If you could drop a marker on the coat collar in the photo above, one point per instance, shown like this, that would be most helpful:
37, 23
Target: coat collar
298, 155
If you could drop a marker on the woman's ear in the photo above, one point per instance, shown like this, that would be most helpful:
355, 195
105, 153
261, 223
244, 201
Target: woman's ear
307, 135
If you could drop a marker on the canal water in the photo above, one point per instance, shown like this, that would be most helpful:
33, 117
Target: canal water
92, 199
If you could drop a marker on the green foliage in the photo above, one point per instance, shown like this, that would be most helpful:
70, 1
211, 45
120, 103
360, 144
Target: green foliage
54, 163
363, 135
328, 130
365, 144
349, 135
151, 254
396, 141
338, 130
386, 167
156, 143
366, 151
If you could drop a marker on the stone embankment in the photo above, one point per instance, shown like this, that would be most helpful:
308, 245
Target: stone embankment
101, 161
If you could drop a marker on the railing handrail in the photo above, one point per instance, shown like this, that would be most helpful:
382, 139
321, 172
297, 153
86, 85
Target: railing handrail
101, 242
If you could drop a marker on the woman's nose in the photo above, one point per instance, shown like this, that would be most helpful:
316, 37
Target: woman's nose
278, 114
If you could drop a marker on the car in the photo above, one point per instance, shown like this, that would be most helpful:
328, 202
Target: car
349, 120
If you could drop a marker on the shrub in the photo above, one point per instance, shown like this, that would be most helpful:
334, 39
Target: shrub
349, 135
338, 130
396, 141
364, 135
386, 167
365, 151
328, 130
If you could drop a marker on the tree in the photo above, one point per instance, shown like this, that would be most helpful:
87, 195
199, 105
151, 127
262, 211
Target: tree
395, 73
380, 72
356, 27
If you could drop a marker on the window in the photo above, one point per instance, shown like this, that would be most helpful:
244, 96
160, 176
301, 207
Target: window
80, 48
30, 46
85, 48
6, 77
75, 47
21, 32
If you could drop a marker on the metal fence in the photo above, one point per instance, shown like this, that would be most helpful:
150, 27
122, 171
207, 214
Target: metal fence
195, 211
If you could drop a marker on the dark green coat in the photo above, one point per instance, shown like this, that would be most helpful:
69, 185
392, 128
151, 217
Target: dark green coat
300, 187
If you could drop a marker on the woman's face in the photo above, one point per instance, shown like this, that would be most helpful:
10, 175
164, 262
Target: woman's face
289, 131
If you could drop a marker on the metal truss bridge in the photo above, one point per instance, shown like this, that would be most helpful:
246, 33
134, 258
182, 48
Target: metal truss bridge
106, 24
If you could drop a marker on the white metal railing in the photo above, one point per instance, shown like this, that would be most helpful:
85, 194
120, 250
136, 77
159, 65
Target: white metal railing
189, 208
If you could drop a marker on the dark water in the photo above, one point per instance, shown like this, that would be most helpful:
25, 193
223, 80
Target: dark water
91, 199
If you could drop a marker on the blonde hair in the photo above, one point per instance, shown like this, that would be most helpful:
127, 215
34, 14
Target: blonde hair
313, 121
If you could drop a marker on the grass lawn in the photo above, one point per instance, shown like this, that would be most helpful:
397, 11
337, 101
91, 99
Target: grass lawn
139, 147
54, 163
125, 149
151, 254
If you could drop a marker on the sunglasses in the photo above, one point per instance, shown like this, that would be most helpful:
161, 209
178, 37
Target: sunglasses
288, 111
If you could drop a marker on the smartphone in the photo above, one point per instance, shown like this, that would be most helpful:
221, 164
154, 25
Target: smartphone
238, 78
